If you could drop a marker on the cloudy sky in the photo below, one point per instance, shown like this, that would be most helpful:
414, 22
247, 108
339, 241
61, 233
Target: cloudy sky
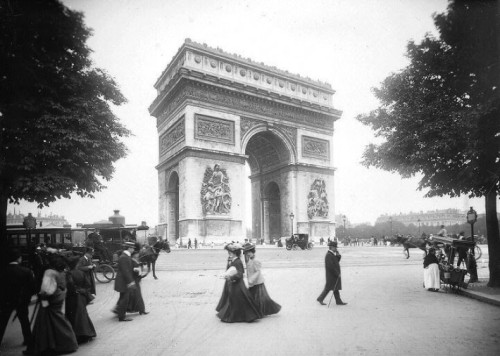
353, 45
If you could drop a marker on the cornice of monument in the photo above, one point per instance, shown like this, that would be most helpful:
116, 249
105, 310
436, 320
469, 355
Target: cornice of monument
202, 62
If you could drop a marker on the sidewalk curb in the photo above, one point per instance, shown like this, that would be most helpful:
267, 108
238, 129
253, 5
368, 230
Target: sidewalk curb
480, 296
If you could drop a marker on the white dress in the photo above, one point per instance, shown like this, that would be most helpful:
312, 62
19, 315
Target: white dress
431, 276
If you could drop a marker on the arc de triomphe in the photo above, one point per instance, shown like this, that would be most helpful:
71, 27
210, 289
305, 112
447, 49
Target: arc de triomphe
216, 112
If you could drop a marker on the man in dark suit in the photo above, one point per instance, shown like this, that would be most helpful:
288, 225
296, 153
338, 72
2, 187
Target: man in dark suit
124, 280
18, 285
86, 265
333, 277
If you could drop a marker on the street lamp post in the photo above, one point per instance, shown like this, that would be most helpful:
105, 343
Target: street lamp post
390, 221
343, 218
472, 267
418, 227
291, 221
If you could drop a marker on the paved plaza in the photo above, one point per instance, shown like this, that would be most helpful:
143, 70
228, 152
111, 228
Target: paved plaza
389, 312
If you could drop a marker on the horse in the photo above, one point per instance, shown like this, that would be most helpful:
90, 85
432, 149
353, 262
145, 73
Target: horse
410, 241
149, 254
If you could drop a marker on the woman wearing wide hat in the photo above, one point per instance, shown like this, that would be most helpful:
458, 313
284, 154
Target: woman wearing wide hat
236, 304
256, 286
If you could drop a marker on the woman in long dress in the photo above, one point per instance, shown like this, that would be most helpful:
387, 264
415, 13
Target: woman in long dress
52, 332
236, 303
136, 302
77, 298
256, 286
431, 272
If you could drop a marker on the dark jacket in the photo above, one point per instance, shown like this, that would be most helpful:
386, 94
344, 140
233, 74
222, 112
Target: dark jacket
125, 273
17, 285
332, 268
84, 265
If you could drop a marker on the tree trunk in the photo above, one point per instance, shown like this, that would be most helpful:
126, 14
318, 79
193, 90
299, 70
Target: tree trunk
493, 238
3, 226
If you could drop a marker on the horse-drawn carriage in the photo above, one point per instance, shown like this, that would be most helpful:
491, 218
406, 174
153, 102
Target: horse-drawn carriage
297, 241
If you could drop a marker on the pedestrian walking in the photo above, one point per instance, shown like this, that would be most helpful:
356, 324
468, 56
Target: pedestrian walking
431, 271
195, 243
124, 281
263, 301
52, 332
189, 243
136, 301
236, 303
18, 285
86, 265
333, 275
77, 298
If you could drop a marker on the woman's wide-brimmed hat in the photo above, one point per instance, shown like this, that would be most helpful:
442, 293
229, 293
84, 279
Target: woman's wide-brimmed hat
233, 247
248, 247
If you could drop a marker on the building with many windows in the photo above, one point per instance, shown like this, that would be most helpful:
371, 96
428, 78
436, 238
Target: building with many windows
430, 218
51, 220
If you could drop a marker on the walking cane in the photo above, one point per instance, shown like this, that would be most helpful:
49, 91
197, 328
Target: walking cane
335, 286
37, 306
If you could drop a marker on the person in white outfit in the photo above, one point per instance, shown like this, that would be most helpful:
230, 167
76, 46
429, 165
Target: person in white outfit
431, 271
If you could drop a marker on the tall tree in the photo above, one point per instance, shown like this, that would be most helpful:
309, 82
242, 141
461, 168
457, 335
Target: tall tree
58, 134
440, 116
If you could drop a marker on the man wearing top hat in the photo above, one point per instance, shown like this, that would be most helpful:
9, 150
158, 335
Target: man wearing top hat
124, 280
333, 277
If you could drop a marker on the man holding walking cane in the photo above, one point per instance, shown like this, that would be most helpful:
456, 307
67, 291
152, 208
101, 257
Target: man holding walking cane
333, 277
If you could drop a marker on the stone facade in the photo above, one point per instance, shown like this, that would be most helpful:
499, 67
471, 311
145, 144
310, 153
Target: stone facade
216, 111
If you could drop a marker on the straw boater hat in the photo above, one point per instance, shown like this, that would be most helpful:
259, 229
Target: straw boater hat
129, 244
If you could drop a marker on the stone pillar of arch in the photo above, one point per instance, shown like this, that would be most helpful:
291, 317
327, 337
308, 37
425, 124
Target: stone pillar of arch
216, 112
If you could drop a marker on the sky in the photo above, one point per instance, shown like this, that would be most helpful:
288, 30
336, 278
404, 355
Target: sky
353, 45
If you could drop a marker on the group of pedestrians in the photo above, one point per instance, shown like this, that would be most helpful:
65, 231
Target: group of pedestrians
239, 304
63, 283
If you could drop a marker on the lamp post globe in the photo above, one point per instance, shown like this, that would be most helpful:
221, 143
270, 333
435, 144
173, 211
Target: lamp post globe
291, 221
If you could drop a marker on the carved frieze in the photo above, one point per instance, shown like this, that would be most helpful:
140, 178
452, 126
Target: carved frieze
315, 148
214, 129
317, 200
172, 136
215, 192
246, 103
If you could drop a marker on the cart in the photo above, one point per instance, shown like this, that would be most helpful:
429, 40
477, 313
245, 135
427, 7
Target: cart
297, 241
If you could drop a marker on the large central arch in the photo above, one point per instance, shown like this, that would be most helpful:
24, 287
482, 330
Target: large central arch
215, 113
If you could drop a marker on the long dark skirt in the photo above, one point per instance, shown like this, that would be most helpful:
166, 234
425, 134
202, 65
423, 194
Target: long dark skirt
135, 301
223, 297
76, 312
52, 332
263, 301
238, 305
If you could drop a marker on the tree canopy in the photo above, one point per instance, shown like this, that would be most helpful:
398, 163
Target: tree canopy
58, 133
440, 116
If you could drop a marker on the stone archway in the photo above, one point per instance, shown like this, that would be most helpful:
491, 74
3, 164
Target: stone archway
173, 208
272, 213
269, 158
216, 111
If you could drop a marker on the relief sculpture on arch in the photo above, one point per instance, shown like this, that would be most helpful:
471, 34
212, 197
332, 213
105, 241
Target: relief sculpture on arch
215, 191
317, 200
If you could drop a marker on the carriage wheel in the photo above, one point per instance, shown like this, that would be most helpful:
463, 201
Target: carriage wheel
104, 273
477, 252
309, 246
288, 247
295, 247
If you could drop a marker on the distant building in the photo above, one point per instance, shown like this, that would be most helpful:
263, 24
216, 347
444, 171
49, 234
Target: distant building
444, 217
50, 220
